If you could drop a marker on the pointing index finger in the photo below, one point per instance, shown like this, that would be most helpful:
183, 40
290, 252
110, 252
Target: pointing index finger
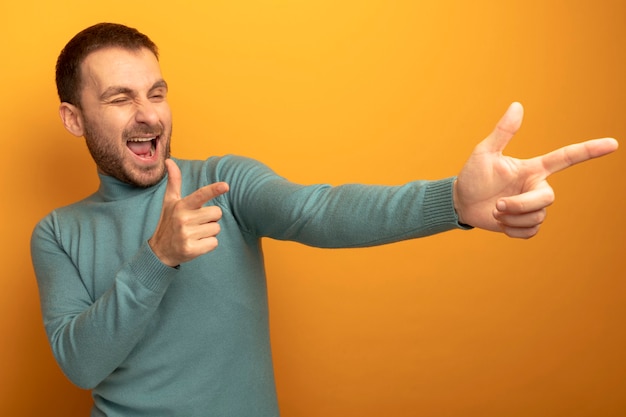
567, 156
203, 195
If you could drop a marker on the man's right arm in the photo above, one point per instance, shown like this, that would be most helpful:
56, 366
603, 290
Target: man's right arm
90, 337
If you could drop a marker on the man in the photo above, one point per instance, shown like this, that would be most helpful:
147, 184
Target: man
140, 303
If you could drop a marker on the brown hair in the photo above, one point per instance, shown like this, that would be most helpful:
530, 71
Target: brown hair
101, 35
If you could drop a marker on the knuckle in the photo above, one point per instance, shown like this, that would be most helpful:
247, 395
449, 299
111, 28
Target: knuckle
187, 249
522, 233
185, 234
211, 243
531, 232
216, 212
183, 218
540, 217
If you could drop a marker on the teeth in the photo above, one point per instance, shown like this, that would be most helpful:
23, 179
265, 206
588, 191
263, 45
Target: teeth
141, 139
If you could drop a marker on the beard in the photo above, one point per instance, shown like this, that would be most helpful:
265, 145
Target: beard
114, 161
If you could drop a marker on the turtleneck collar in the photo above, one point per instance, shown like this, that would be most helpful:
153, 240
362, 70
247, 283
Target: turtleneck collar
112, 189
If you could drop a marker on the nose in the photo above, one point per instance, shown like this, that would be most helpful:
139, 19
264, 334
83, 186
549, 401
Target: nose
147, 113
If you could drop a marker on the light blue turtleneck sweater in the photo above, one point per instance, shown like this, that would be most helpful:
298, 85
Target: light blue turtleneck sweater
151, 340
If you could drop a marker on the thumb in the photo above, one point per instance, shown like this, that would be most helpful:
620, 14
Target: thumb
174, 181
507, 127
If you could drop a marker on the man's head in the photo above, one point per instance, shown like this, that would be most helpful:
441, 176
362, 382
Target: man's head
112, 93
99, 36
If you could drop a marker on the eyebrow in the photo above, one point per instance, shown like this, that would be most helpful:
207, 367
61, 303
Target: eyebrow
115, 90
159, 84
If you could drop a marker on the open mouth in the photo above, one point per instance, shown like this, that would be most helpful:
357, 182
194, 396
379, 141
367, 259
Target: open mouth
144, 148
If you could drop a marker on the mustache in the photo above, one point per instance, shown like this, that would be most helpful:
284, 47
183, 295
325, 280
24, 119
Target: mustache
143, 130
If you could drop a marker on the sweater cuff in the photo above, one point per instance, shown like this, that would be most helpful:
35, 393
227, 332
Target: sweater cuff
439, 212
150, 271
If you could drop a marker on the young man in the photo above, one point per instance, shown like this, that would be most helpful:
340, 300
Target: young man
140, 303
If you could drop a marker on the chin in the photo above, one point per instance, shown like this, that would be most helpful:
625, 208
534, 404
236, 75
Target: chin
143, 177
145, 180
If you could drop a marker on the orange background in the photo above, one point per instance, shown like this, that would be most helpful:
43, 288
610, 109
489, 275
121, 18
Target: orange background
460, 324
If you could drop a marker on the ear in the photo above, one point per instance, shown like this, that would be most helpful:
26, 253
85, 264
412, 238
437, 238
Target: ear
72, 118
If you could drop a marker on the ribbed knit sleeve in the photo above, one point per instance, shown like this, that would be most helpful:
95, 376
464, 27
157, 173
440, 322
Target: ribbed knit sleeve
351, 215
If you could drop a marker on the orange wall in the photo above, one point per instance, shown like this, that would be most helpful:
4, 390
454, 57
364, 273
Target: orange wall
466, 323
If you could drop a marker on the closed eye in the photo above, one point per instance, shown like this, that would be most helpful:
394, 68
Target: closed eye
157, 97
119, 100
158, 92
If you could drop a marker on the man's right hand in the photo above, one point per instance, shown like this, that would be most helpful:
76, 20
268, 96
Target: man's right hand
186, 229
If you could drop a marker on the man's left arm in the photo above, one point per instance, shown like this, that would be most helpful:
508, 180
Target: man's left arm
321, 215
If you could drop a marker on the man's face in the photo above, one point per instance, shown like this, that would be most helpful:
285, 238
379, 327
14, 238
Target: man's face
127, 121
